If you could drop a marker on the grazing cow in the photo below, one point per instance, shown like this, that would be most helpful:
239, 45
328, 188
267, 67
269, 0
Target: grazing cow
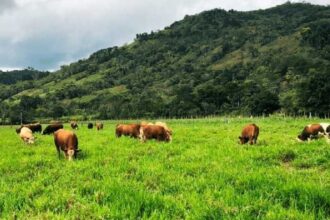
249, 134
26, 135
66, 141
314, 131
74, 125
157, 132
33, 127
99, 125
132, 130
52, 128
90, 125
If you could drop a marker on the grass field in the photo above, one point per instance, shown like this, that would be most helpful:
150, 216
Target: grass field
203, 174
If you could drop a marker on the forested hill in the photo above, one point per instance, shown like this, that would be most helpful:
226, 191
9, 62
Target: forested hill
215, 62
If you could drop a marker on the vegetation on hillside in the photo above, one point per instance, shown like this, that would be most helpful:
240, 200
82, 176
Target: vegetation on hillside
215, 62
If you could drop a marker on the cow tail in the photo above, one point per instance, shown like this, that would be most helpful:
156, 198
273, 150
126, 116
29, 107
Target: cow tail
255, 133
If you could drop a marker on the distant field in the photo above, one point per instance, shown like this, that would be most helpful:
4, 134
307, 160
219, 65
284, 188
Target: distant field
203, 174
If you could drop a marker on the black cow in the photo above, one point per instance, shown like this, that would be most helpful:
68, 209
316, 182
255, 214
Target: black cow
90, 125
33, 127
52, 128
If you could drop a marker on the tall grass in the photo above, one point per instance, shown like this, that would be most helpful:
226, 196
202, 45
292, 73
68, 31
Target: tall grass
203, 174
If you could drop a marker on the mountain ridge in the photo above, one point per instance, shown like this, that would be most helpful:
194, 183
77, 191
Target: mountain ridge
215, 62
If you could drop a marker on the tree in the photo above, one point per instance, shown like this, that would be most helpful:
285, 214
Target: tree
313, 92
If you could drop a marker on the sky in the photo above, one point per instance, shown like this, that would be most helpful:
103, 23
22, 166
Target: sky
45, 34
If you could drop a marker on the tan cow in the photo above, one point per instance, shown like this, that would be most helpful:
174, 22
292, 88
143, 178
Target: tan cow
26, 135
249, 134
66, 141
99, 125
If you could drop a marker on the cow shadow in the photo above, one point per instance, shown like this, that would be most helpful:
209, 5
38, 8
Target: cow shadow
262, 143
81, 155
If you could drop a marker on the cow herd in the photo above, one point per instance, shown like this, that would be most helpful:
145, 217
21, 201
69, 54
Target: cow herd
67, 141
144, 131
312, 131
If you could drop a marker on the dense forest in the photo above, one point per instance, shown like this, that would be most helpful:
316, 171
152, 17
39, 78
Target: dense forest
217, 62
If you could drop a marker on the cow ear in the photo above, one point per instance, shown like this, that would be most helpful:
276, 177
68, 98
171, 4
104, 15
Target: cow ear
240, 137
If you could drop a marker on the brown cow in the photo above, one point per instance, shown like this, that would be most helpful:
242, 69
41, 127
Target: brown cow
154, 132
74, 125
314, 131
99, 125
249, 134
26, 135
132, 130
66, 141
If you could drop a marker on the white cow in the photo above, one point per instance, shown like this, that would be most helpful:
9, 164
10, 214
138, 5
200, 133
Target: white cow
26, 135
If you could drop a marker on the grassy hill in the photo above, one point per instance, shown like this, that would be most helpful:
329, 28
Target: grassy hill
215, 62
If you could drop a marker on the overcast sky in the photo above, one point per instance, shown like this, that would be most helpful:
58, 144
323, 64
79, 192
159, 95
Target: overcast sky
45, 34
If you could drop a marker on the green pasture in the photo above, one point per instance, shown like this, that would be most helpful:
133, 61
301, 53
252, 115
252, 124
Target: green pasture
202, 174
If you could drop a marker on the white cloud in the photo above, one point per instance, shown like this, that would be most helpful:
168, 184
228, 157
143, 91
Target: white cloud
46, 33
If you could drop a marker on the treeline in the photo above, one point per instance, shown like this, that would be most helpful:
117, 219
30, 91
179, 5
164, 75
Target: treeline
216, 62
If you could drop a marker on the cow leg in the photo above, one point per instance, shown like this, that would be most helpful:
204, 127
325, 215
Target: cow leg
66, 154
58, 152
143, 138
251, 140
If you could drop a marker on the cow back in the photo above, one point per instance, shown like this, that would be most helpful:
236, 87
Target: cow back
132, 130
52, 128
154, 132
66, 140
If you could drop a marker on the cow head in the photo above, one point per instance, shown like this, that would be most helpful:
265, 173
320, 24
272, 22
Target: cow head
72, 154
168, 136
18, 130
301, 137
243, 140
31, 140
